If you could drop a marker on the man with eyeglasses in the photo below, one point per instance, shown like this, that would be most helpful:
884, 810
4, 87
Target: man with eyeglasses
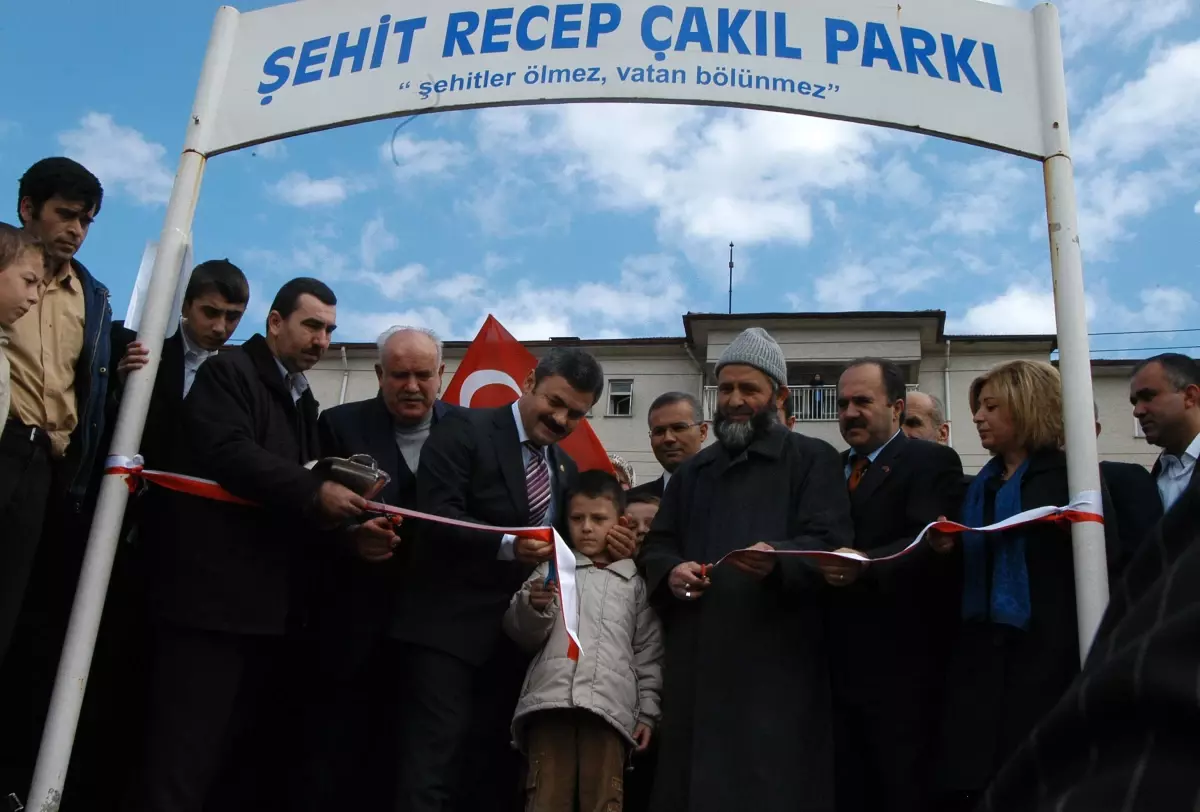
677, 433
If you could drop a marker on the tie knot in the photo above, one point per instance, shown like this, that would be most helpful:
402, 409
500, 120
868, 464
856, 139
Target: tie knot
860, 463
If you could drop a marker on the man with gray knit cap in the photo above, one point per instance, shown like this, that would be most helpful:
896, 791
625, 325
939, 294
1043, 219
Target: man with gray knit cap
746, 701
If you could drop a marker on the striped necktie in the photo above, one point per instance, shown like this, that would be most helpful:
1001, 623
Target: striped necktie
537, 485
857, 470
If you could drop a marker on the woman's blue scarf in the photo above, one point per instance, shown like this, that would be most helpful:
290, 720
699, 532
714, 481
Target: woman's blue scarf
1009, 600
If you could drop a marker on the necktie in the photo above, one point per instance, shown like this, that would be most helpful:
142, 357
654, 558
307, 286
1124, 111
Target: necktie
537, 485
856, 472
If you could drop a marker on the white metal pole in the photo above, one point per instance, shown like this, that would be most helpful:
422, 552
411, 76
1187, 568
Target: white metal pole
1070, 310
58, 736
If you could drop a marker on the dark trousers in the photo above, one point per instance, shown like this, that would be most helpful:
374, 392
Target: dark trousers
25, 478
350, 724
883, 747
454, 748
28, 657
209, 691
576, 761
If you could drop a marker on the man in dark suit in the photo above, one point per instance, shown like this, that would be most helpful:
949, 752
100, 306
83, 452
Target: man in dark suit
677, 433
500, 467
889, 629
351, 705
1124, 737
1165, 393
1136, 506
224, 583
112, 720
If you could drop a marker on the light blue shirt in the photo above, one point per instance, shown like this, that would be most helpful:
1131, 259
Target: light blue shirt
296, 383
193, 358
506, 552
853, 455
1175, 472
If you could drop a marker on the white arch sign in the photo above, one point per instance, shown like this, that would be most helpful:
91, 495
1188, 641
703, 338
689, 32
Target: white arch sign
959, 69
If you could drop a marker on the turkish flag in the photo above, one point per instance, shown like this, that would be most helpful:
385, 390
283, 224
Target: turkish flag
491, 374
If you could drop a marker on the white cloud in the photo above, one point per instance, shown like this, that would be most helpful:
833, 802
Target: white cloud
1144, 115
1022, 309
1161, 309
375, 240
493, 262
411, 157
458, 288
1196, 208
707, 176
1108, 199
857, 283
354, 324
300, 190
1089, 22
120, 156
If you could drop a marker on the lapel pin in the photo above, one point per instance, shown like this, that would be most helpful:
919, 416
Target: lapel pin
562, 469
887, 470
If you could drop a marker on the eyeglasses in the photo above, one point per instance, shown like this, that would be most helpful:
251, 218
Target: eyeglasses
659, 432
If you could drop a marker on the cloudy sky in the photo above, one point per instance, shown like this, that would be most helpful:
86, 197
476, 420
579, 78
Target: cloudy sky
607, 220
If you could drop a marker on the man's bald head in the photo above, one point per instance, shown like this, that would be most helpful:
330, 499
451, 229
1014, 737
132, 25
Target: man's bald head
410, 372
925, 418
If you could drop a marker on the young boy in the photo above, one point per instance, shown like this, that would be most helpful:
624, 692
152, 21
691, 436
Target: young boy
577, 720
642, 508
22, 273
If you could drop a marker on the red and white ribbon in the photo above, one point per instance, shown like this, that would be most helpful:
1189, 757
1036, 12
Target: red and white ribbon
134, 470
1086, 507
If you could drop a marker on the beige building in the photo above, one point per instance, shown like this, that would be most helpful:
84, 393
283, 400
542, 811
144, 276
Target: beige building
639, 369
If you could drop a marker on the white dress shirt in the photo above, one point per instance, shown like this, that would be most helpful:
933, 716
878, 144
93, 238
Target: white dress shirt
507, 551
193, 358
296, 383
1175, 472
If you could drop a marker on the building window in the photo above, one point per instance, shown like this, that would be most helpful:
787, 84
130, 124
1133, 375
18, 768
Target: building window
620, 398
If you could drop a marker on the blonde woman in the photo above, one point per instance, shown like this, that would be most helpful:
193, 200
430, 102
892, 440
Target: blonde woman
1015, 650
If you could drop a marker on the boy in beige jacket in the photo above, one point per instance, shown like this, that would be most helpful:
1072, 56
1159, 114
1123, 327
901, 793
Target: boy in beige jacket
577, 720
22, 272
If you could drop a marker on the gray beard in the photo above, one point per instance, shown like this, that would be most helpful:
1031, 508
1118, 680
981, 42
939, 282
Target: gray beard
735, 437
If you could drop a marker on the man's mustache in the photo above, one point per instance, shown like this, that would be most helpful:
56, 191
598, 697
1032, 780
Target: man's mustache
549, 423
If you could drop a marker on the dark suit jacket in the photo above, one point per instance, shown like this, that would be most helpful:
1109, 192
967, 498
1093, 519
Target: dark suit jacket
654, 487
353, 599
889, 628
455, 590
1126, 736
1136, 508
230, 567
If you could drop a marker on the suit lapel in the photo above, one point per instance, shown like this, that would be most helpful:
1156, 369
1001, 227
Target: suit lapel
168, 384
510, 458
879, 470
380, 442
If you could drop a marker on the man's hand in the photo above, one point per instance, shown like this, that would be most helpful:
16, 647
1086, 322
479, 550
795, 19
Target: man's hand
841, 571
688, 581
641, 734
542, 595
376, 540
337, 502
756, 561
622, 539
532, 551
939, 541
136, 356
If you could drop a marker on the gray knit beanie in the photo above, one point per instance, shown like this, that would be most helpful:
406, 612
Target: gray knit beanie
755, 348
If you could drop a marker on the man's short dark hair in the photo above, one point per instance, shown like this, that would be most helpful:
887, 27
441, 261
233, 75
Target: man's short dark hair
641, 498
893, 376
578, 367
219, 276
671, 398
1181, 370
288, 297
599, 485
59, 177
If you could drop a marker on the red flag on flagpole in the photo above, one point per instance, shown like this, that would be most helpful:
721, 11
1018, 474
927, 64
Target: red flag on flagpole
491, 374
